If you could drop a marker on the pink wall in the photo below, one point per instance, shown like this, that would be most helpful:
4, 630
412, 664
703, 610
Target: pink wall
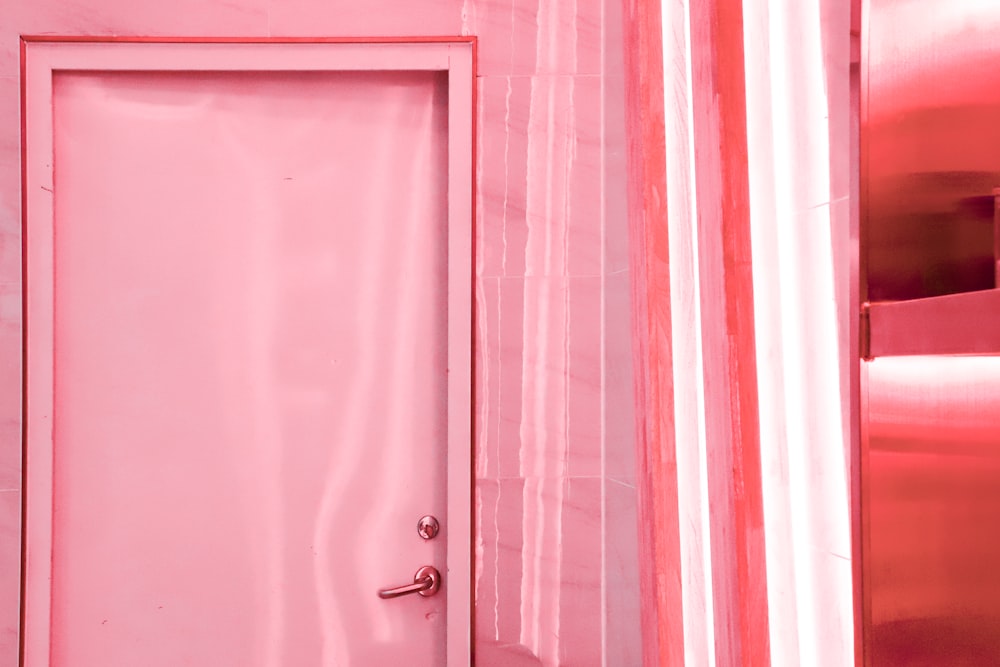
556, 554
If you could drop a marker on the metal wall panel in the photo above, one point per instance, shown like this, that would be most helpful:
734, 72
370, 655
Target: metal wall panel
931, 424
934, 505
933, 101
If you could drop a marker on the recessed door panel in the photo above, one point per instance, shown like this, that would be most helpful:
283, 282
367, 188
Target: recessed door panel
250, 367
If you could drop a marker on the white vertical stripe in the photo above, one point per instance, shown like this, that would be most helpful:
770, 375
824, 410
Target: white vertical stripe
781, 574
689, 394
803, 446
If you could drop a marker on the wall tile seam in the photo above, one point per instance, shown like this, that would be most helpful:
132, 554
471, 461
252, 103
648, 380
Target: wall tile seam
507, 478
543, 75
544, 276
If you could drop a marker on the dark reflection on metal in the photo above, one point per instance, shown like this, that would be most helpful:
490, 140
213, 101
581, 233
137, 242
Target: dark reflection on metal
933, 141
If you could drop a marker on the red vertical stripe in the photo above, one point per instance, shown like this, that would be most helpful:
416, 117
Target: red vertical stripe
663, 627
732, 420
735, 486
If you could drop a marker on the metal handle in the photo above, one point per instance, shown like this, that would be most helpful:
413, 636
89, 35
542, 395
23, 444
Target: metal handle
426, 582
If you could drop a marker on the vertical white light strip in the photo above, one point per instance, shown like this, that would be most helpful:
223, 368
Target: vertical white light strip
818, 485
781, 575
689, 414
789, 237
803, 445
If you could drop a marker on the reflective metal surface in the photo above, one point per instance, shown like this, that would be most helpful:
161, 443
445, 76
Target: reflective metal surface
933, 146
428, 527
931, 424
933, 437
966, 323
426, 582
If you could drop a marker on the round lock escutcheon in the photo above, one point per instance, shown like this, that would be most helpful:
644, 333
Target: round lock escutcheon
428, 527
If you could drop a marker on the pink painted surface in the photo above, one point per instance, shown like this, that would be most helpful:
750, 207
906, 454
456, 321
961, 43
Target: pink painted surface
307, 107
557, 550
555, 125
557, 497
250, 409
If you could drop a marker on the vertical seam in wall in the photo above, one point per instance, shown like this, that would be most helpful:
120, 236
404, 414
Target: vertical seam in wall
603, 342
862, 542
22, 515
506, 176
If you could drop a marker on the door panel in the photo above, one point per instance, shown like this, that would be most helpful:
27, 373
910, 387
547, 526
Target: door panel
933, 440
250, 366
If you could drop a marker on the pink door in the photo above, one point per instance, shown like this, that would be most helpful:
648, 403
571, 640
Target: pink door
248, 354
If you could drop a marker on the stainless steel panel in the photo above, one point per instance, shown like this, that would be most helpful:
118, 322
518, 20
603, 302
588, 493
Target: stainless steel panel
933, 438
931, 125
930, 451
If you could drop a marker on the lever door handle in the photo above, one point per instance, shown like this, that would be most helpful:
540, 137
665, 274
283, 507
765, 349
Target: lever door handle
426, 582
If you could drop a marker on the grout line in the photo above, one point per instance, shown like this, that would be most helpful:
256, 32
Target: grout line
555, 276
505, 478
543, 75
602, 188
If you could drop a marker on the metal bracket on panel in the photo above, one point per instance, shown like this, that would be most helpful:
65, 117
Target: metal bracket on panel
865, 332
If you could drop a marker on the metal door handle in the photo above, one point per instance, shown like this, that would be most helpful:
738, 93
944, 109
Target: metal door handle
427, 582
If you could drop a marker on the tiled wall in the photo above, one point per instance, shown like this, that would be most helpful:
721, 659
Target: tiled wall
556, 554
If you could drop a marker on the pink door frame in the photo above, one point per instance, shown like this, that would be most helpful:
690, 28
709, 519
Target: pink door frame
40, 57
